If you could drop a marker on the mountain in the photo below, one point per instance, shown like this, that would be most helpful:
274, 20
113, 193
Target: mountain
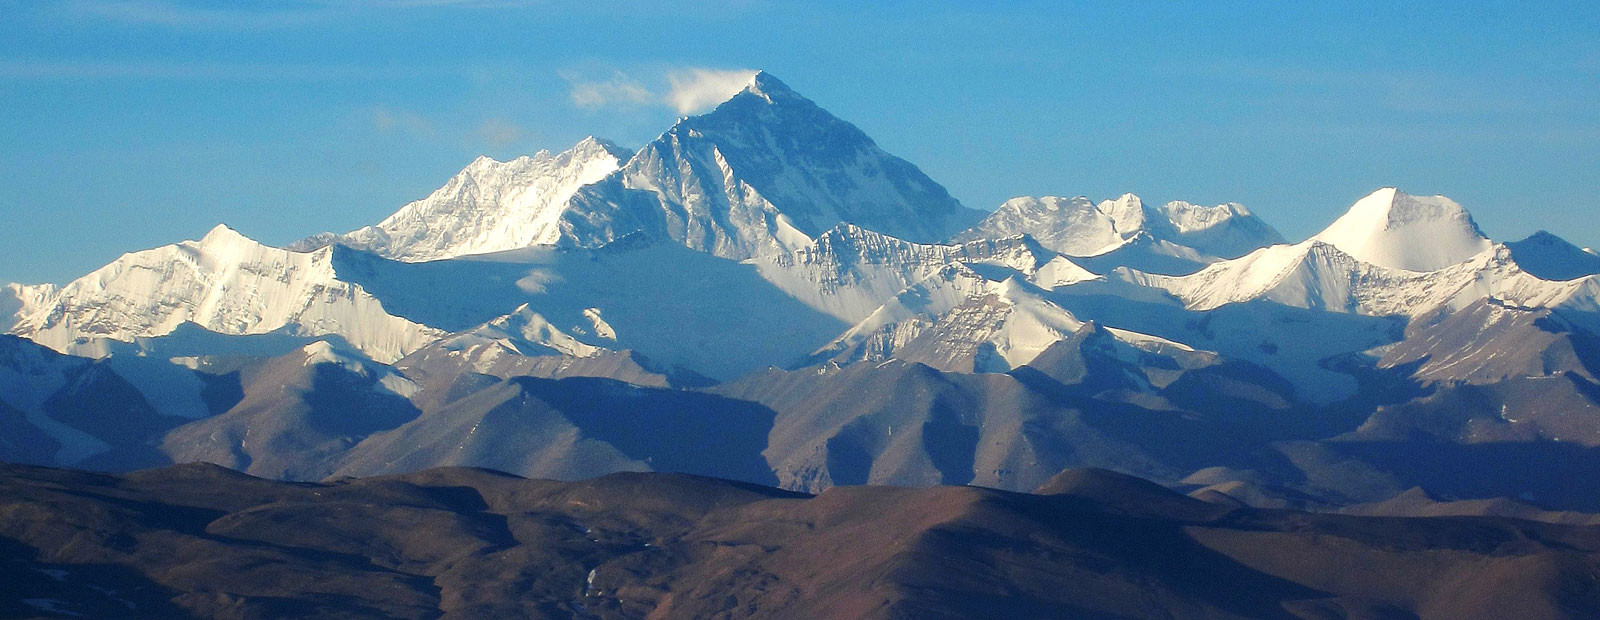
1176, 238
200, 541
637, 294
1552, 258
1224, 231
766, 171
524, 344
905, 423
488, 207
569, 429
1392, 229
226, 283
298, 414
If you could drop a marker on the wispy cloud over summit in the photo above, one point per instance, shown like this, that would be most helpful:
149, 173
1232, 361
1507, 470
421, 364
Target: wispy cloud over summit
696, 89
687, 89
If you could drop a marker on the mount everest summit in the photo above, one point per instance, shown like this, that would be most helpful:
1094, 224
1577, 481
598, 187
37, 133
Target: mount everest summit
763, 293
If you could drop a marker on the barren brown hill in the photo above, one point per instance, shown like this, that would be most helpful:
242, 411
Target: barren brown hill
203, 541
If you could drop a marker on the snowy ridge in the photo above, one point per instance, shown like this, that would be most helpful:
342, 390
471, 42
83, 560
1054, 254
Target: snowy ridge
384, 378
906, 315
849, 271
1080, 227
488, 207
225, 283
962, 321
1317, 275
522, 332
671, 304
1429, 235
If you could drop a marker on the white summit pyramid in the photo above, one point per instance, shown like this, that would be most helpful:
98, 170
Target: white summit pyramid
1390, 228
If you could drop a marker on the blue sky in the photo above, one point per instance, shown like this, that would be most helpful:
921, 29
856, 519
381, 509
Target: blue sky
127, 125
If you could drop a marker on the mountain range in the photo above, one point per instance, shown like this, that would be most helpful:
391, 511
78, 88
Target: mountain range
763, 294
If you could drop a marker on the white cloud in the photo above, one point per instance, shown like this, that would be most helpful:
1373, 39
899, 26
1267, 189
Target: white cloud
695, 89
688, 89
619, 89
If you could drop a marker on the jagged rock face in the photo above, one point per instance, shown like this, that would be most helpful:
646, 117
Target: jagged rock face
766, 171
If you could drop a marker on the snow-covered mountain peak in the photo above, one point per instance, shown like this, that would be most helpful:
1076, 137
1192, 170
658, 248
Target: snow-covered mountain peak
765, 172
1390, 228
769, 88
